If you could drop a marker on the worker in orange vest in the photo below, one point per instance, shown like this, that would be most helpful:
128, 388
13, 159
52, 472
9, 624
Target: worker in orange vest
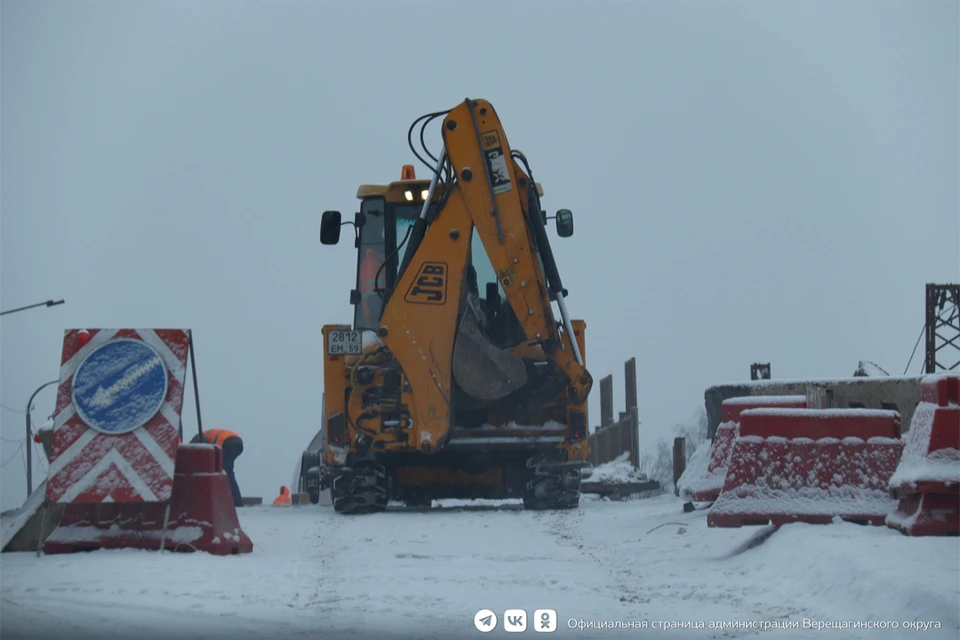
370, 300
283, 498
232, 446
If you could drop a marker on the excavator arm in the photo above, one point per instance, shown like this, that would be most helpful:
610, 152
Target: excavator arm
429, 323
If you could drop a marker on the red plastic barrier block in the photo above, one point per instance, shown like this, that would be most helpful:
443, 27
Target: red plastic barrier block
710, 484
202, 515
928, 514
820, 423
199, 458
731, 408
941, 389
931, 456
928, 477
782, 480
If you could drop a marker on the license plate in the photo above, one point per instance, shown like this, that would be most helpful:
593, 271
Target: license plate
343, 343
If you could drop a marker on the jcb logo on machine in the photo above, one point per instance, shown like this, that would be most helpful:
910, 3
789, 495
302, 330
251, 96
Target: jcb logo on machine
430, 285
491, 140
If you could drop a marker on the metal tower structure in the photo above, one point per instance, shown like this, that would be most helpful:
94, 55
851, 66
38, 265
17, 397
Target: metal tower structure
942, 328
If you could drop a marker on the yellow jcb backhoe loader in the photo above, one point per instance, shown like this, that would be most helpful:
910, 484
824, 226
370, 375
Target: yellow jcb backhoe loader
455, 380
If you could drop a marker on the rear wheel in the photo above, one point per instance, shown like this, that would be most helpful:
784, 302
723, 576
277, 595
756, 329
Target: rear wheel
360, 488
551, 487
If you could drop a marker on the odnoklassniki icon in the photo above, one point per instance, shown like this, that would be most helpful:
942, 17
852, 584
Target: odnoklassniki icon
545, 620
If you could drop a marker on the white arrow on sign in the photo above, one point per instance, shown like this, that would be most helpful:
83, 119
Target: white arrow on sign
106, 397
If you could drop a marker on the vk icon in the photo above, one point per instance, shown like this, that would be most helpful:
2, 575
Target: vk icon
545, 620
515, 620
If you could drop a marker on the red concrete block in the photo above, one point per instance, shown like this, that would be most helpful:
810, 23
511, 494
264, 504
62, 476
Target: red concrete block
927, 514
708, 487
202, 515
820, 423
927, 480
732, 408
779, 480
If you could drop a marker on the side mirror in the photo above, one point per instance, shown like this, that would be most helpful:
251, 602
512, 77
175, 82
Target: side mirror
330, 227
564, 223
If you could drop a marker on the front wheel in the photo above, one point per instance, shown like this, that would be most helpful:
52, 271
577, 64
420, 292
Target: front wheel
361, 488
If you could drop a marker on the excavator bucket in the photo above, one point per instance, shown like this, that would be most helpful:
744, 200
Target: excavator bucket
483, 370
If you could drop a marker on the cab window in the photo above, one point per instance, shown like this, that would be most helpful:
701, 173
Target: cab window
485, 273
371, 254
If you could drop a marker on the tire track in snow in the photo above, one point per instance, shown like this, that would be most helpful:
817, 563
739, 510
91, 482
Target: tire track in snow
325, 562
566, 528
669, 582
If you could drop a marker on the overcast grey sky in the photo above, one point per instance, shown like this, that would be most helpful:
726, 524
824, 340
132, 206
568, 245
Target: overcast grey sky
752, 181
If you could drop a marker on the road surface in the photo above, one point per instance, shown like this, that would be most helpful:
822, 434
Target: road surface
426, 573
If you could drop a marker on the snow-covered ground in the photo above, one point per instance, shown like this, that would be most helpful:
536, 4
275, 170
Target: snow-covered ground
425, 573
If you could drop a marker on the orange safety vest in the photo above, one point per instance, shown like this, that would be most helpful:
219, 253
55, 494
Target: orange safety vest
284, 497
218, 436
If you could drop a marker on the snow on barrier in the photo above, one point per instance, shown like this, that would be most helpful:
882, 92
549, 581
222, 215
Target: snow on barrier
705, 482
202, 516
927, 481
810, 465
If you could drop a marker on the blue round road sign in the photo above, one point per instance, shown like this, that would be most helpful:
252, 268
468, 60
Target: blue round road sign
119, 386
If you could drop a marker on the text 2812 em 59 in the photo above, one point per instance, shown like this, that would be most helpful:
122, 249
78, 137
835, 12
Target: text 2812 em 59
343, 343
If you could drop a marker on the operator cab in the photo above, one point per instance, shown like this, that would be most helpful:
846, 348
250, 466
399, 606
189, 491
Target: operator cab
381, 242
383, 226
